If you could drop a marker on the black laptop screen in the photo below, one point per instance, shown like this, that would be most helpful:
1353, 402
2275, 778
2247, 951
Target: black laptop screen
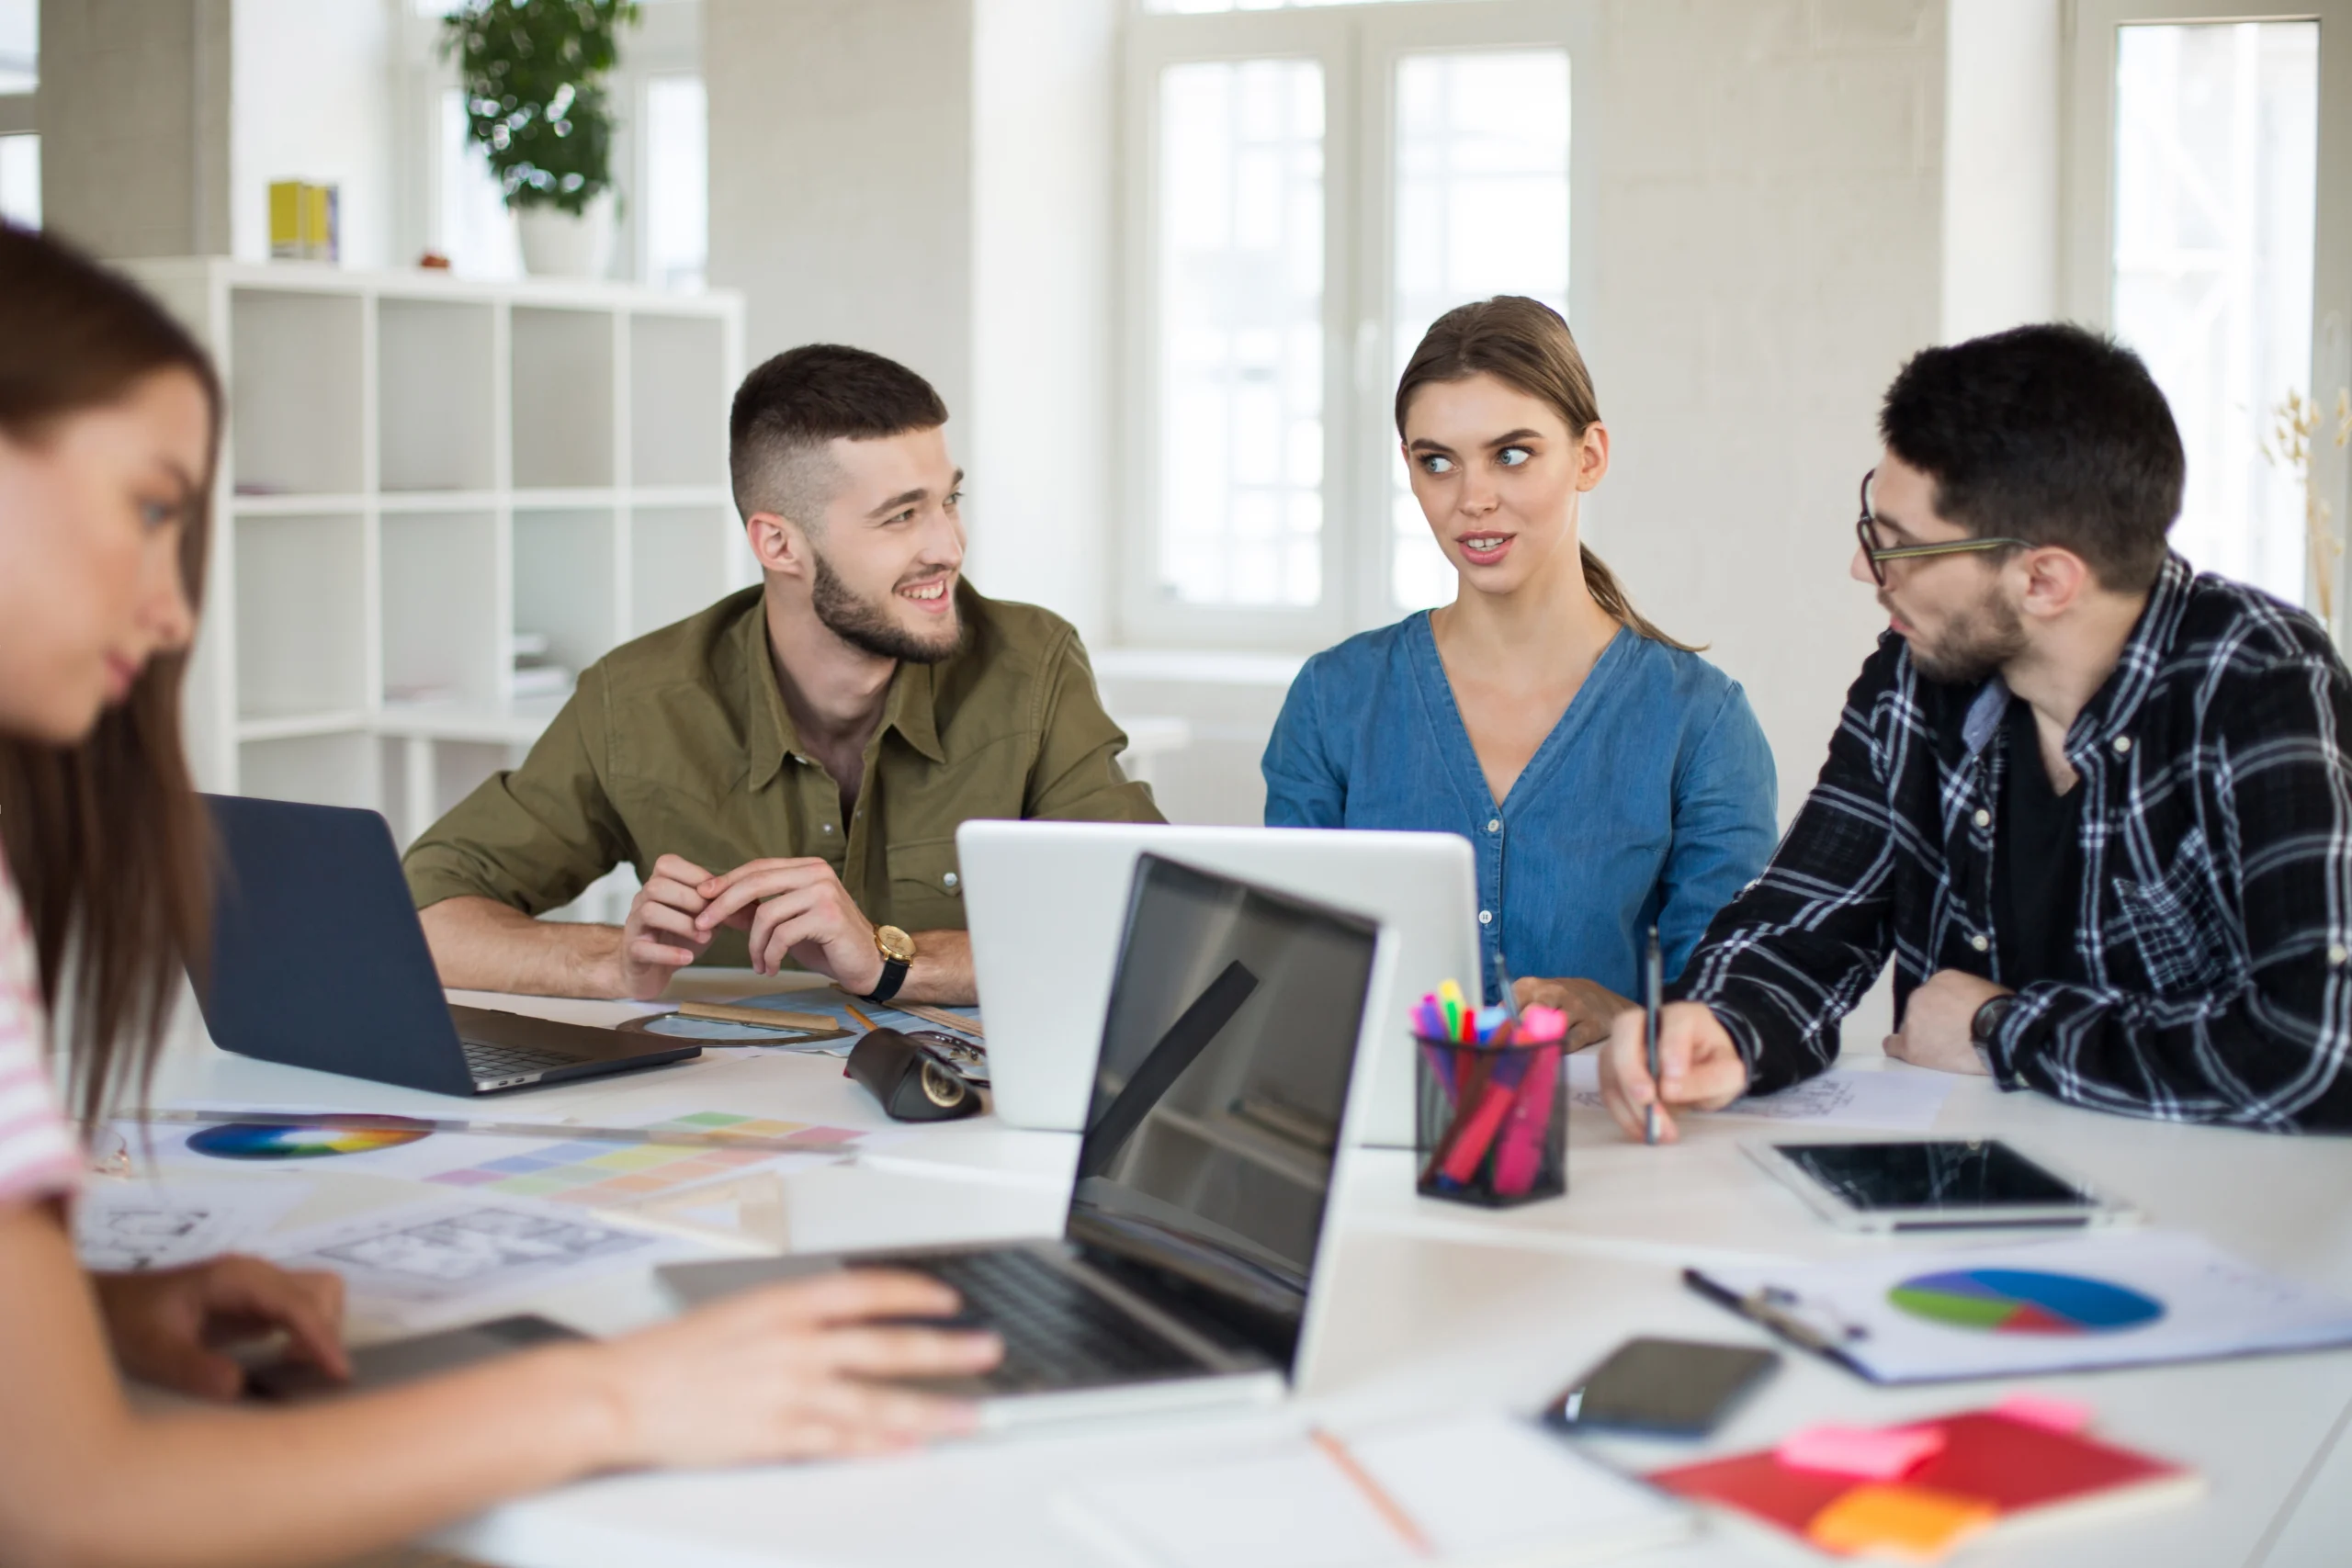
1227, 1051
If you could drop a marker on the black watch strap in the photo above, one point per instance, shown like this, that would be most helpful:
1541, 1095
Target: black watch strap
894, 975
1984, 1025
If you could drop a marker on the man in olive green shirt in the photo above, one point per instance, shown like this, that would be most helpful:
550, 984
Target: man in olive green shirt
786, 770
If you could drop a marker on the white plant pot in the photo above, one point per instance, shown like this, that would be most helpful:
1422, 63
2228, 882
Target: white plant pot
557, 244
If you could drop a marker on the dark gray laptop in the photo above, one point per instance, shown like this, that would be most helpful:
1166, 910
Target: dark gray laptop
1185, 1270
318, 960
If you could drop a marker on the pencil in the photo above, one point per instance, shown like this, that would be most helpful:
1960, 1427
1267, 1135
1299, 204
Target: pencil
851, 1008
1653, 997
1388, 1508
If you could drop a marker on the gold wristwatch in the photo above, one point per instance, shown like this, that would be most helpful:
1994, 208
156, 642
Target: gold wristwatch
898, 950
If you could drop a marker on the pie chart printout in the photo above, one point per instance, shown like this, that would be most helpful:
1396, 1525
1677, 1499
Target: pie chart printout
264, 1140
2024, 1300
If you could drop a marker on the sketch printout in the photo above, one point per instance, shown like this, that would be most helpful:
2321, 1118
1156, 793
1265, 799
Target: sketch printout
427, 1262
120, 1227
1903, 1097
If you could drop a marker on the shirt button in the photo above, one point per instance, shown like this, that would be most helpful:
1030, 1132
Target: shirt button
1979, 941
949, 879
2336, 953
2123, 744
1984, 818
1494, 825
1485, 917
826, 828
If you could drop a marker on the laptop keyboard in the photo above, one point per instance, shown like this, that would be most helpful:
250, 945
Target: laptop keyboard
1057, 1334
490, 1063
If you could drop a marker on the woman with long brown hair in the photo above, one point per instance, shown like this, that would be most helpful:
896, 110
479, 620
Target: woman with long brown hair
109, 417
1609, 778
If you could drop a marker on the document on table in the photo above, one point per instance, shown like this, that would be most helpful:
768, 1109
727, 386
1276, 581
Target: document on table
421, 1264
2033, 1308
122, 1224
1484, 1489
1903, 1097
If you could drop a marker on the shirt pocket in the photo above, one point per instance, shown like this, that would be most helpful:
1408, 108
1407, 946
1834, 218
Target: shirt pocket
2177, 925
926, 888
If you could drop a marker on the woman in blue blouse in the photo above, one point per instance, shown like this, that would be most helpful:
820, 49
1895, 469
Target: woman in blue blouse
1609, 778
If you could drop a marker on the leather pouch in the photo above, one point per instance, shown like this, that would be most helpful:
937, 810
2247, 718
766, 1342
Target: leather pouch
909, 1084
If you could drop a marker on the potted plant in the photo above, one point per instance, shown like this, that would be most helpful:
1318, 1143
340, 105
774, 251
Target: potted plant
533, 73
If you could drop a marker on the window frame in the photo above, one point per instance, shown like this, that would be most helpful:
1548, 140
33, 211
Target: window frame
2087, 196
1358, 46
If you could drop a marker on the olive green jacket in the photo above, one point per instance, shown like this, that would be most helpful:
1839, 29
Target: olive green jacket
679, 743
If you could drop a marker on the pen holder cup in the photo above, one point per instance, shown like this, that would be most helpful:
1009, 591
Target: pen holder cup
1491, 1128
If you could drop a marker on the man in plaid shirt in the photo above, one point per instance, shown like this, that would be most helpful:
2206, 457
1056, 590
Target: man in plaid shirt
2096, 807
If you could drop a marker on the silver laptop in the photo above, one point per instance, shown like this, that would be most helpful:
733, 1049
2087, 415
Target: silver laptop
1044, 901
1201, 1212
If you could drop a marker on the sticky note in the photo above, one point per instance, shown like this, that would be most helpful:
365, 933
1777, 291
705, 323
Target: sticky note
1913, 1524
1869, 1453
2040, 1410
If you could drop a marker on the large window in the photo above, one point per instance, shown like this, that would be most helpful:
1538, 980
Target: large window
1311, 186
20, 146
2212, 232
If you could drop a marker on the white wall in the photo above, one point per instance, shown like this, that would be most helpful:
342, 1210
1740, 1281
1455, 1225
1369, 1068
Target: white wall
2002, 143
133, 110
1768, 256
841, 197
1044, 226
312, 101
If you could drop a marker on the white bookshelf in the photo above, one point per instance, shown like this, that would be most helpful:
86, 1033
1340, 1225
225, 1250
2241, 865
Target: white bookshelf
418, 467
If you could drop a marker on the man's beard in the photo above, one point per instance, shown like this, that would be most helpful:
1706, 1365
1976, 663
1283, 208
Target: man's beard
1974, 646
869, 626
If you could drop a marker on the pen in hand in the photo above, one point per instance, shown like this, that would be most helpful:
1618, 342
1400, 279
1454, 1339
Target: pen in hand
1653, 997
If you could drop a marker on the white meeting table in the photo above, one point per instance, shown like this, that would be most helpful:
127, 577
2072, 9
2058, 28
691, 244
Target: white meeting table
1438, 1308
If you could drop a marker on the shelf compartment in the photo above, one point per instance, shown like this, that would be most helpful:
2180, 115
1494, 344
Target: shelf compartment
561, 395
678, 563
445, 634
434, 383
296, 425
565, 569
678, 394
301, 607
324, 770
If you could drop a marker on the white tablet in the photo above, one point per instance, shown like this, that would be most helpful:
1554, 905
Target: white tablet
1943, 1184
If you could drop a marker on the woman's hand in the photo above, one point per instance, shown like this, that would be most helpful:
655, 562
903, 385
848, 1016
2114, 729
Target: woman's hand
789, 1371
1589, 1006
167, 1325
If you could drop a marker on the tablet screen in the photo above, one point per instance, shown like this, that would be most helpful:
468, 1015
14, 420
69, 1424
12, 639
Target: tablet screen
1955, 1174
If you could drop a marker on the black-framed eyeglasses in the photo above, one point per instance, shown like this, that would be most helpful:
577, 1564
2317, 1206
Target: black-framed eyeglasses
1879, 556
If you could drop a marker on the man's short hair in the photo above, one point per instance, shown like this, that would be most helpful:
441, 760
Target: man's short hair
791, 406
2045, 432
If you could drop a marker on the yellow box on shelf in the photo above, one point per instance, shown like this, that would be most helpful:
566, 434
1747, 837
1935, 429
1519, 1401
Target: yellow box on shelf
304, 221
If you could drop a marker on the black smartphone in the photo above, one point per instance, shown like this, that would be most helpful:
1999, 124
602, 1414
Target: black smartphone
1661, 1388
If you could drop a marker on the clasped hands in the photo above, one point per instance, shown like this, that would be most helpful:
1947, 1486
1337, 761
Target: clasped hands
1700, 1067
794, 908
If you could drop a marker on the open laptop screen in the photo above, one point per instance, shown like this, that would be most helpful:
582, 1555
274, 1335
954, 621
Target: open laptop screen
1227, 1051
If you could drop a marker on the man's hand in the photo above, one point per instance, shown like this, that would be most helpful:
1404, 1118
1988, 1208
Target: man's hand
1935, 1023
662, 936
1591, 1006
797, 909
1699, 1066
167, 1325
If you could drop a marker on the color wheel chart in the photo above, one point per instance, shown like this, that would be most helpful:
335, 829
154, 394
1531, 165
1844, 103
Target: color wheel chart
602, 1174
261, 1141
2024, 1300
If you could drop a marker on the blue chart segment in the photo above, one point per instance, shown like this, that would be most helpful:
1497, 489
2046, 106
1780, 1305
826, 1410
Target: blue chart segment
2024, 1300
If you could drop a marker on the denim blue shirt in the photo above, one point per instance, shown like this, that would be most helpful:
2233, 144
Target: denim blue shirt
1651, 802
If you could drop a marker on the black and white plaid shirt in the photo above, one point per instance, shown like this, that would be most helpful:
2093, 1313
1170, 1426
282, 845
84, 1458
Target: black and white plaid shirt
2214, 920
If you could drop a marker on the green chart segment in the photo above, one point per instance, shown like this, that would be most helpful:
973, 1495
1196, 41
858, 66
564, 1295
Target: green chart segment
2024, 1300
